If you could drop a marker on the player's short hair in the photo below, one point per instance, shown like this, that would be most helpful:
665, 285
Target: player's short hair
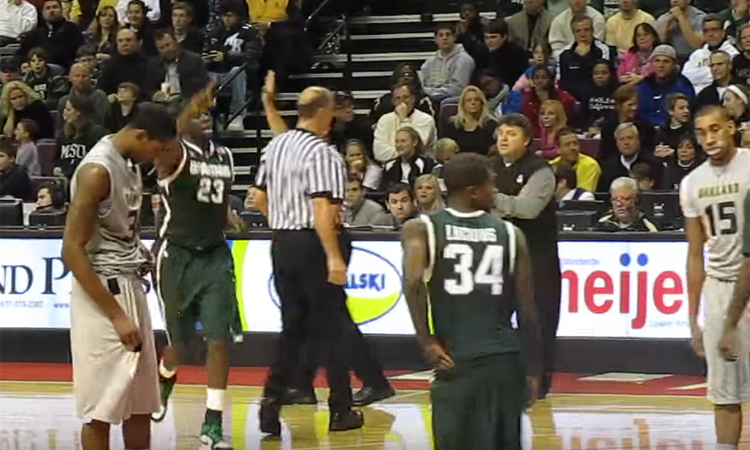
7, 147
714, 109
397, 188
155, 120
517, 120
466, 170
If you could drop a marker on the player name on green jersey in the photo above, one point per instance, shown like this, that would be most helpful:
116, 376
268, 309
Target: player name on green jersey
196, 197
471, 282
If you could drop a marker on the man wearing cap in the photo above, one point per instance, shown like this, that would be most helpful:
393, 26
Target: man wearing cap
666, 79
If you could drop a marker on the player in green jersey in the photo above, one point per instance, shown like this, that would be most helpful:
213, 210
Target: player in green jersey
194, 267
468, 268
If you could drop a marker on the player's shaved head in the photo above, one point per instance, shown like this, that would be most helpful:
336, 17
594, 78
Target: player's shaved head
714, 109
312, 100
466, 170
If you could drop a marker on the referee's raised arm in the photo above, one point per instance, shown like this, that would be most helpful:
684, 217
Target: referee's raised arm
300, 187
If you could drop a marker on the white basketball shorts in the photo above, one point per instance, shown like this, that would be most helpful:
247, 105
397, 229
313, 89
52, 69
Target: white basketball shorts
728, 381
111, 383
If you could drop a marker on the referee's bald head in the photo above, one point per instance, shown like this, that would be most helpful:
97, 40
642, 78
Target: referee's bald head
314, 100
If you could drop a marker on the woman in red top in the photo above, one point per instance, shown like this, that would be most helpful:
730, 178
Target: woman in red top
543, 89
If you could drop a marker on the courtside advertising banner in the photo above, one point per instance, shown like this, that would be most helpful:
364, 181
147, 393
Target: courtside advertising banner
609, 289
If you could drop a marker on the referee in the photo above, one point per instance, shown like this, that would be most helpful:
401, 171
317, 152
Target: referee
300, 188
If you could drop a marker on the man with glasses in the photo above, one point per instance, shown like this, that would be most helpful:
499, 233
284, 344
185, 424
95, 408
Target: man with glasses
697, 68
625, 215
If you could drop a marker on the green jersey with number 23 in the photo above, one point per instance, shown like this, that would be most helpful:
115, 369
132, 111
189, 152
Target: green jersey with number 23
196, 197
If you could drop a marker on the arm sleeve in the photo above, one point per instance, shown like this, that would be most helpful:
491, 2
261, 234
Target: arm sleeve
532, 199
325, 174
687, 202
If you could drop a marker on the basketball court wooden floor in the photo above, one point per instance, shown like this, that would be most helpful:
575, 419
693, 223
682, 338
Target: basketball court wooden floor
646, 412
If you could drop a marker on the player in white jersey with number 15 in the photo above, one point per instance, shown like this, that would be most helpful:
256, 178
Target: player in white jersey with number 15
712, 198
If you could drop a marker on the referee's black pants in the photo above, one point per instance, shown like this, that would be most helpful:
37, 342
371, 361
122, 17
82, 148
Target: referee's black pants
312, 310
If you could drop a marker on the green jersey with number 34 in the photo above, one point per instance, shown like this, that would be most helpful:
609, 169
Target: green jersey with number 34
196, 197
471, 283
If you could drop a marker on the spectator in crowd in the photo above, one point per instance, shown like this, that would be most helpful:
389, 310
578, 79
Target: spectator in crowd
358, 161
83, 13
666, 79
473, 126
137, 21
18, 18
552, 118
679, 123
601, 99
14, 181
741, 62
103, 33
182, 73
86, 55
132, 17
543, 90
360, 210
400, 203
556, 7
735, 100
282, 26
561, 31
541, 55
404, 114
576, 61
626, 108
231, 50
698, 69
734, 17
621, 26
404, 72
630, 153
681, 27
9, 71
688, 156
348, 126
500, 54
495, 91
54, 34
129, 64
123, 107
642, 175
19, 102
51, 198
566, 187
721, 71
445, 150
80, 82
45, 80
28, 157
530, 26
448, 72
411, 162
427, 189
188, 36
78, 135
625, 215
635, 63
470, 30
586, 168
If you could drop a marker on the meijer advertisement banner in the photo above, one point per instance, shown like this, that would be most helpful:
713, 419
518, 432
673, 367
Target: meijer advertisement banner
609, 289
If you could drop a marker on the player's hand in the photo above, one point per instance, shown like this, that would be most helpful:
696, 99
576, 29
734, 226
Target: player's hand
728, 345
696, 340
336, 271
437, 356
129, 334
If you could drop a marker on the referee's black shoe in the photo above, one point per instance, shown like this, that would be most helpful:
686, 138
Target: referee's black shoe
268, 416
349, 420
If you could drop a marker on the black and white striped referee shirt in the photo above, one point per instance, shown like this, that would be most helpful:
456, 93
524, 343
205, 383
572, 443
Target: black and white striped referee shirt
295, 167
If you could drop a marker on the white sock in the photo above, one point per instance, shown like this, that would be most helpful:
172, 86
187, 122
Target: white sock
215, 399
726, 447
164, 372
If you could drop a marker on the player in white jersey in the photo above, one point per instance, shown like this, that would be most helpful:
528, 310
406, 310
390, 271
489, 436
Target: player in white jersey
112, 342
712, 198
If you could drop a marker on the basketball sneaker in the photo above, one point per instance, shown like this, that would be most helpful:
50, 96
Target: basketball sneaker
166, 385
212, 437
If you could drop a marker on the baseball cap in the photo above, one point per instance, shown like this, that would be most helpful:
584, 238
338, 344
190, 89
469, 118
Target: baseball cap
155, 120
664, 50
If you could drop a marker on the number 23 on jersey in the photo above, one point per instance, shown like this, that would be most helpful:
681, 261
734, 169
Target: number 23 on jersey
210, 190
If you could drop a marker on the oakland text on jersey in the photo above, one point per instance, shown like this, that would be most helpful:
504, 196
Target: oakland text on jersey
457, 233
205, 169
719, 190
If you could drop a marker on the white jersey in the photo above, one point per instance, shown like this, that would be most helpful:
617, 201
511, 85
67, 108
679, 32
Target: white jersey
115, 247
716, 195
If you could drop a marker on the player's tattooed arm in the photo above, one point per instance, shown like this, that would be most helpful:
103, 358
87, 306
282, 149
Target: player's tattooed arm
527, 309
92, 187
696, 275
